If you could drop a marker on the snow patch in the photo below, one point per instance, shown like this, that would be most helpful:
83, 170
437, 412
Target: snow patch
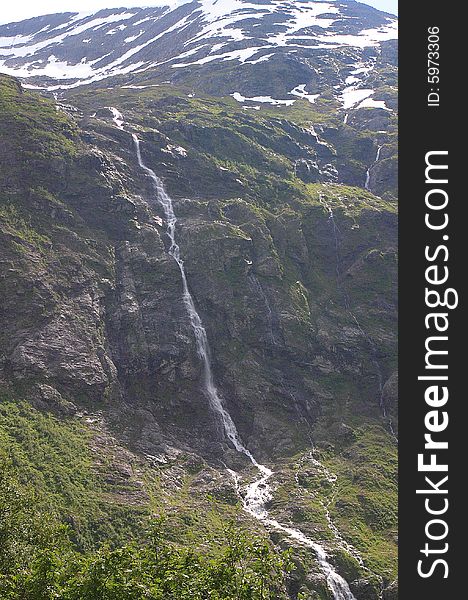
352, 96
175, 150
139, 87
262, 99
28, 50
116, 30
263, 58
371, 103
300, 92
132, 38
240, 55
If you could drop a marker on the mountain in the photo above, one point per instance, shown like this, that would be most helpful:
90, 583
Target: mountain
318, 45
198, 277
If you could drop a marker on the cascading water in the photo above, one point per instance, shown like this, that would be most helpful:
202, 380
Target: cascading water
368, 172
367, 183
258, 493
258, 287
199, 331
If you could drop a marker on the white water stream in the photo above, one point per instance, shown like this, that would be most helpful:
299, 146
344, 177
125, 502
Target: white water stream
259, 492
258, 287
368, 172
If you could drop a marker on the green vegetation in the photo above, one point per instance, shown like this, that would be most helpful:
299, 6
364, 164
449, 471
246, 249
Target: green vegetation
17, 226
233, 152
352, 475
54, 457
38, 561
365, 502
49, 134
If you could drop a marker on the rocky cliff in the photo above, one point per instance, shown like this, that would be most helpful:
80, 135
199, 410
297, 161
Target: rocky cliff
287, 229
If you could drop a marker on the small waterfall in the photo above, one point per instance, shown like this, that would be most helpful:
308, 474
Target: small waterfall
199, 331
258, 493
317, 138
366, 185
347, 305
271, 318
368, 172
332, 479
117, 117
384, 412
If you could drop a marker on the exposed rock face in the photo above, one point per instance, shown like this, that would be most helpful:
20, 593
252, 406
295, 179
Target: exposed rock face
391, 593
69, 350
109, 322
364, 589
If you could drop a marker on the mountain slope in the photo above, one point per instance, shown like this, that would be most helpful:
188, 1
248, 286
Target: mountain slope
291, 262
327, 46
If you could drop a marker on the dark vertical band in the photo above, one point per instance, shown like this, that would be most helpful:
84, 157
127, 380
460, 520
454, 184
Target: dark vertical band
433, 117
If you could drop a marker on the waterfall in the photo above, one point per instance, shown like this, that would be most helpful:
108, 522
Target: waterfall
259, 492
368, 172
366, 185
258, 286
117, 117
201, 339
